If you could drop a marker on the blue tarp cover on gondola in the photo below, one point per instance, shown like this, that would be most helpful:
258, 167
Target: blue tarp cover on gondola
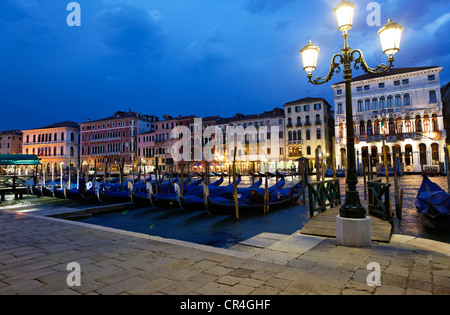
432, 199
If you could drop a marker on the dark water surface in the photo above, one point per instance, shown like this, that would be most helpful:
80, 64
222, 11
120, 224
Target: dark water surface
225, 231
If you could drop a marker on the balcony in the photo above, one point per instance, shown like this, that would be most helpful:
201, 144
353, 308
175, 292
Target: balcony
289, 125
307, 123
298, 125
295, 142
318, 122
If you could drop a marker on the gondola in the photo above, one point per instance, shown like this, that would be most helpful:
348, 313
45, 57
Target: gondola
115, 193
170, 198
195, 198
279, 198
433, 205
147, 196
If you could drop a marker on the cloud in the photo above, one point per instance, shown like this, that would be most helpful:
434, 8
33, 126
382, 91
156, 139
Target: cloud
207, 51
266, 6
131, 32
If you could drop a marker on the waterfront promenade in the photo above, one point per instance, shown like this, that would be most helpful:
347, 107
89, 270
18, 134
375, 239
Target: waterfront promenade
35, 252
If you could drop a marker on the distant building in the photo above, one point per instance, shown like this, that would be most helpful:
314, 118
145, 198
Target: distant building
403, 107
11, 142
113, 139
57, 144
158, 142
309, 129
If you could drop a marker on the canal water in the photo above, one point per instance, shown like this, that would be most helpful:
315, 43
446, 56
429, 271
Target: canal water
225, 231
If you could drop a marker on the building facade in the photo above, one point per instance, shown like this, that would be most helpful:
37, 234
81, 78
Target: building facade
57, 145
158, 142
309, 130
113, 139
11, 142
445, 95
403, 108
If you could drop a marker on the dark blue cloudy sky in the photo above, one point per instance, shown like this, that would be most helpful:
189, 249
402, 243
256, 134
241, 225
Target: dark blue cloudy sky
202, 57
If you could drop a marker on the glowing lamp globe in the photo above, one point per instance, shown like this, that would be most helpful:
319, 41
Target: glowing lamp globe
390, 36
310, 53
344, 13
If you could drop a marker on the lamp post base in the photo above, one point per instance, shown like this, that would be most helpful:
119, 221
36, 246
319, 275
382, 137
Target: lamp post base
353, 232
352, 207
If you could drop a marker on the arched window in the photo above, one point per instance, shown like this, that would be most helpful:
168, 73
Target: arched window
290, 135
317, 119
318, 134
72, 137
289, 121
418, 124
398, 100
435, 123
423, 154
382, 102
308, 150
435, 154
62, 136
61, 152
299, 134
362, 128
374, 103
432, 97
294, 136
72, 151
299, 121
389, 101
308, 122
369, 128
407, 99
426, 124
360, 105
308, 134
367, 104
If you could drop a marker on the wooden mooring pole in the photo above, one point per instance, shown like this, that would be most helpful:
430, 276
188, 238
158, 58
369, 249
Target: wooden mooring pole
447, 160
235, 195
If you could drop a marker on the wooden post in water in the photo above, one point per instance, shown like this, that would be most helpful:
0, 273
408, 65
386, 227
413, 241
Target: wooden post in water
156, 174
235, 195
304, 180
385, 163
182, 179
387, 179
365, 179
253, 173
333, 157
396, 197
447, 160
266, 194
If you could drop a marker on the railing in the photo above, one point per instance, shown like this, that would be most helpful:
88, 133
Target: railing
380, 200
323, 195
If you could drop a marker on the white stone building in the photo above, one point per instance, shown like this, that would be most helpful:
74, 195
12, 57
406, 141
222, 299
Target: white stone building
403, 107
309, 129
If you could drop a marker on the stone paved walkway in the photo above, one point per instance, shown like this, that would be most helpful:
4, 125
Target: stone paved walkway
35, 252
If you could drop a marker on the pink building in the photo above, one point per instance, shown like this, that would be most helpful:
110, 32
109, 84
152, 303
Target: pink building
113, 139
157, 143
11, 142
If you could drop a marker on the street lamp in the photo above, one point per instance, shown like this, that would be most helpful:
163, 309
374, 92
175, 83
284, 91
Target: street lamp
390, 36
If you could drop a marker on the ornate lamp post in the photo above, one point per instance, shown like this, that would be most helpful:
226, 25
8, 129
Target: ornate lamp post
390, 36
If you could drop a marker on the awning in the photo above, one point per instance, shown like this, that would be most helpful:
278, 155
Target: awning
19, 159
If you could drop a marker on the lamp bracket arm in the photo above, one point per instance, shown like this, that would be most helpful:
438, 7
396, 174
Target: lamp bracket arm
334, 68
360, 62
